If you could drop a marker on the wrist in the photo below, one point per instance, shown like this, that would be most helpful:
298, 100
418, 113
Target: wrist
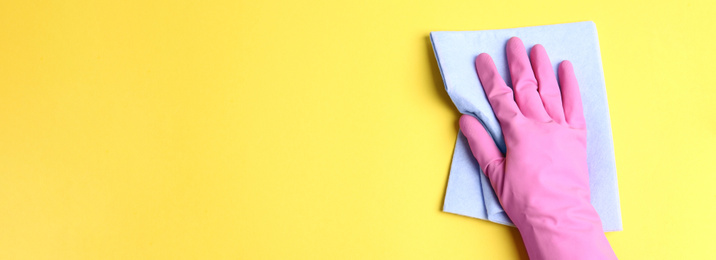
573, 233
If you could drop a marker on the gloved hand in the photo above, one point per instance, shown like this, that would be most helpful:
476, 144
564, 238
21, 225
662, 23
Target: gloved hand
542, 181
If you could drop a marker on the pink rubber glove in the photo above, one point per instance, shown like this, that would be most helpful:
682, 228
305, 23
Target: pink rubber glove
542, 182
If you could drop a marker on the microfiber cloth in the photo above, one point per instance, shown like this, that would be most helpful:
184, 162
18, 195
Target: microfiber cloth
469, 192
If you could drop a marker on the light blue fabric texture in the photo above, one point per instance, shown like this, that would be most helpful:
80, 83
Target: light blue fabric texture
469, 192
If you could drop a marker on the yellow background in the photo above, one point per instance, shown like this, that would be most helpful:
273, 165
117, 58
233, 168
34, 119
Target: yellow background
315, 130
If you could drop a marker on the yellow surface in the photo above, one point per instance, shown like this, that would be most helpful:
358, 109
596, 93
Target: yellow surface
314, 130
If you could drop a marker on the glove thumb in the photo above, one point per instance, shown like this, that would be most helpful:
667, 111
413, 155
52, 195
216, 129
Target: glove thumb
483, 147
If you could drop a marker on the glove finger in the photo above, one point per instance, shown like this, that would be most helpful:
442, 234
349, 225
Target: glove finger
497, 92
571, 99
548, 88
524, 82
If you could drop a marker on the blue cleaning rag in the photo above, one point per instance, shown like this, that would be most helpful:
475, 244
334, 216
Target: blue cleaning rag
469, 192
